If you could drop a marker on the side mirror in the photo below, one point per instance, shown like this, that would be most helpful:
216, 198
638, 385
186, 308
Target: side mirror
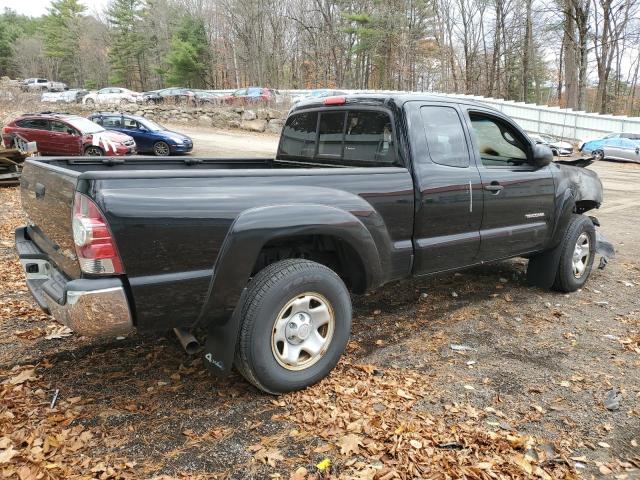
541, 156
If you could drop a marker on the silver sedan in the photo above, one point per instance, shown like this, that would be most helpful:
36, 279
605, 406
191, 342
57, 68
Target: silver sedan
624, 149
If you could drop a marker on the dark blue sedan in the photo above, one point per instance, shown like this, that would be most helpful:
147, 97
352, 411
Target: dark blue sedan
150, 137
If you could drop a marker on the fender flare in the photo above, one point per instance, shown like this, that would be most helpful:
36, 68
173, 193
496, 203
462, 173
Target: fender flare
252, 229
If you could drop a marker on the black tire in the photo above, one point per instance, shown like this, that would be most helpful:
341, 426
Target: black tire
269, 292
93, 151
598, 155
90, 101
567, 278
161, 149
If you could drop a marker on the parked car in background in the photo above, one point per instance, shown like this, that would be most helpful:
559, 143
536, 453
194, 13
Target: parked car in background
170, 95
207, 97
558, 147
42, 84
245, 96
150, 137
68, 96
631, 136
319, 93
64, 134
624, 148
112, 95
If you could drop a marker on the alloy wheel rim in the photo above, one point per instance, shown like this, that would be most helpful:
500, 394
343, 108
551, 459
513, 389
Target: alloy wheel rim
581, 255
94, 152
302, 331
162, 149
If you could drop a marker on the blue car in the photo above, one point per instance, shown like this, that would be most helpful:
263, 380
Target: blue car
626, 149
150, 137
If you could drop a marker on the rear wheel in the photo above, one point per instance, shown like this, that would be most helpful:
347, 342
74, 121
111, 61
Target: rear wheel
161, 149
296, 322
89, 101
93, 151
578, 250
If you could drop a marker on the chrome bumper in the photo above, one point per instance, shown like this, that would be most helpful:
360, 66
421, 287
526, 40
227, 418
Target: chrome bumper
91, 307
94, 313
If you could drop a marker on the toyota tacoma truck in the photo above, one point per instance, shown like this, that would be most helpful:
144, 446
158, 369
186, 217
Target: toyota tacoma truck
263, 254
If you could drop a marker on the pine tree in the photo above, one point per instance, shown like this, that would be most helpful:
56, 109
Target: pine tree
128, 43
189, 54
61, 32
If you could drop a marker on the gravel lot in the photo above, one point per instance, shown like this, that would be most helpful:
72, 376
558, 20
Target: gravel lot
521, 393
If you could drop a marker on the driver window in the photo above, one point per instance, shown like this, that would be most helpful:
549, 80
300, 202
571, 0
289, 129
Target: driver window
60, 127
499, 144
130, 124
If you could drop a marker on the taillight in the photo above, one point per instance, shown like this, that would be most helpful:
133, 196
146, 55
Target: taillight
95, 245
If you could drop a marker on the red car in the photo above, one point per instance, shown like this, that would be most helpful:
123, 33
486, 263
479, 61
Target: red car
63, 134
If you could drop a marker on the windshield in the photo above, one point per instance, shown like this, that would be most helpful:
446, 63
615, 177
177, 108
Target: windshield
151, 125
83, 125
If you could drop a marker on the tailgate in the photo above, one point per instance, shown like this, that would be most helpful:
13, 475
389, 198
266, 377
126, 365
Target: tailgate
47, 193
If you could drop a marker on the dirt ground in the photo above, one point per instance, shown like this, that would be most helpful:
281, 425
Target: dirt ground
471, 374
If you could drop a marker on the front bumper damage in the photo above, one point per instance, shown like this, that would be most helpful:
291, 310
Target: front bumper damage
94, 307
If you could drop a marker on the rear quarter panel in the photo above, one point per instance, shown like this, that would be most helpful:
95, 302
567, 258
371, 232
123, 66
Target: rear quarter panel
169, 231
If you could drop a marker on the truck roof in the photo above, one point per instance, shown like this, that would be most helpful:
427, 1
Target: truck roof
398, 99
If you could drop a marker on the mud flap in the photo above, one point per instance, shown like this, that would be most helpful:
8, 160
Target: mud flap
604, 249
220, 345
542, 269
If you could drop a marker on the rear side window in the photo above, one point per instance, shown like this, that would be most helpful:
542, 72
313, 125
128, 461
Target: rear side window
445, 136
35, 123
349, 137
299, 136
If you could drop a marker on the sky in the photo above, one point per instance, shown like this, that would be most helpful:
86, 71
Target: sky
35, 8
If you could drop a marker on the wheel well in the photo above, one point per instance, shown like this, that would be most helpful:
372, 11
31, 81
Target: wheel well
327, 250
585, 205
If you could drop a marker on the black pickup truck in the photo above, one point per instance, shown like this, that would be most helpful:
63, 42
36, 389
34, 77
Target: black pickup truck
262, 254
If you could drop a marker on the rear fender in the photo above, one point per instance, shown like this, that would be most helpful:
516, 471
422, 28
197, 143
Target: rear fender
249, 233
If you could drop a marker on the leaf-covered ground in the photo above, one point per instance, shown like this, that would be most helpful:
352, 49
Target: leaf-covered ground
463, 375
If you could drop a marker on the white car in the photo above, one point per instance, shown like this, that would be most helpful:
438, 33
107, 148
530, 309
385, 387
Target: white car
559, 148
42, 84
113, 95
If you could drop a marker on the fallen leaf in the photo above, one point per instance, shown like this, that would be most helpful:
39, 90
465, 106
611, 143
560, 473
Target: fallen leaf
23, 376
349, 444
7, 454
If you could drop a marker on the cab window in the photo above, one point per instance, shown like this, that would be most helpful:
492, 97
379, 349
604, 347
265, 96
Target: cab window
499, 144
445, 136
340, 137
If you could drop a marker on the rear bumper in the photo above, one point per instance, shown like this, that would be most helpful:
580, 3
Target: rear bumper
91, 307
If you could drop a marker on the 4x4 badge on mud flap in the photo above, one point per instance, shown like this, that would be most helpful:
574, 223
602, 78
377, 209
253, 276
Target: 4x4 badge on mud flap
214, 362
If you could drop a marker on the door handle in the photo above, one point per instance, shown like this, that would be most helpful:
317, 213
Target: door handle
494, 187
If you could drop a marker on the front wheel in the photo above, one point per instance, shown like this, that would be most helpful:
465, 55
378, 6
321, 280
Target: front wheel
161, 149
598, 155
93, 151
578, 250
296, 321
89, 101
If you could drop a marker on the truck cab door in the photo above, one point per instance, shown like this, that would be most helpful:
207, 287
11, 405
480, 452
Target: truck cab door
446, 232
518, 198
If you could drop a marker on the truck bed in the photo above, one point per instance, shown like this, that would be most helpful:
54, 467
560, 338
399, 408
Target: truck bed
110, 164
